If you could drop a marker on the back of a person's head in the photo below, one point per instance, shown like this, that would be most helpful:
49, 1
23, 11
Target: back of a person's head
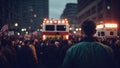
89, 27
31, 41
27, 42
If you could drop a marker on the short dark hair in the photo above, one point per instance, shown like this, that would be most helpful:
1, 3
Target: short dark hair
89, 27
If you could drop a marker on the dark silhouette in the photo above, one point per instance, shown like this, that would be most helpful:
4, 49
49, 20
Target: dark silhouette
26, 58
89, 53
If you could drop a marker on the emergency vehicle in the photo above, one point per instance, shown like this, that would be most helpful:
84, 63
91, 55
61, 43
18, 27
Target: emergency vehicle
55, 29
106, 30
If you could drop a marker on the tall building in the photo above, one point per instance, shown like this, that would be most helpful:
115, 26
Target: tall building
8, 12
33, 12
3, 16
26, 13
70, 12
101, 11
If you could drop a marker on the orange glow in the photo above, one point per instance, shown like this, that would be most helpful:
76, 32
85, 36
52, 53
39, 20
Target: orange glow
111, 25
66, 21
65, 18
63, 21
67, 36
55, 21
99, 26
45, 19
44, 37
51, 21
59, 21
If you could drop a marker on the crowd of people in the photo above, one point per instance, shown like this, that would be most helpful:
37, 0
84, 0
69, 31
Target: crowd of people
35, 53
17, 52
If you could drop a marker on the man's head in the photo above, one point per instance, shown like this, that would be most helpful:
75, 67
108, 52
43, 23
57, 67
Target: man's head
88, 27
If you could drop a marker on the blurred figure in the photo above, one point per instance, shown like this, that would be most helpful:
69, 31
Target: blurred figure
9, 52
63, 50
32, 46
26, 58
3, 61
57, 44
51, 54
89, 53
117, 51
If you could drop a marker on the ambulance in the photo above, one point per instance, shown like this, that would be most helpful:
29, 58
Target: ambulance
106, 30
55, 29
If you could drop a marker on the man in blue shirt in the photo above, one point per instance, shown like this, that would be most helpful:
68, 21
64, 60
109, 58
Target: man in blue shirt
89, 53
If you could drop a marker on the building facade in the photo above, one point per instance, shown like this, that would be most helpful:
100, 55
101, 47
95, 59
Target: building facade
70, 12
101, 11
26, 13
33, 12
9, 12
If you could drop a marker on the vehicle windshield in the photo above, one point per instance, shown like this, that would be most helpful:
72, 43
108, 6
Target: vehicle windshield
61, 28
50, 28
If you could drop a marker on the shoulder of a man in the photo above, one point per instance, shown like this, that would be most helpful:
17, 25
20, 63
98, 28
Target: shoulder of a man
83, 45
76, 48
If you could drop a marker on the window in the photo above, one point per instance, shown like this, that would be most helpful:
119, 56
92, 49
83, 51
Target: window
50, 28
98, 33
61, 28
111, 33
102, 33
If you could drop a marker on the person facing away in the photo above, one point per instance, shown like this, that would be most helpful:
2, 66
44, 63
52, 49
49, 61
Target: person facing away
89, 53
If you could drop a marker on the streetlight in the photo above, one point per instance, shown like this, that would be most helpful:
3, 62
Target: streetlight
35, 15
70, 28
74, 32
76, 29
23, 29
18, 33
80, 29
15, 27
16, 24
